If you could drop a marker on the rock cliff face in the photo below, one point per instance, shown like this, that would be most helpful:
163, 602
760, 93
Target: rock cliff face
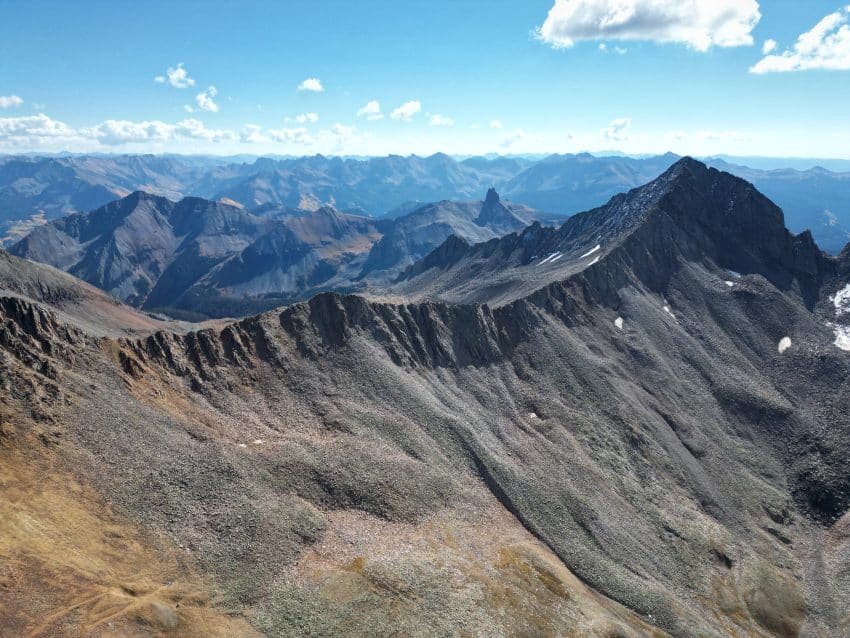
647, 443
691, 212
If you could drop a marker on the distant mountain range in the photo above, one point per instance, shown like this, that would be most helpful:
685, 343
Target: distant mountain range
37, 189
197, 258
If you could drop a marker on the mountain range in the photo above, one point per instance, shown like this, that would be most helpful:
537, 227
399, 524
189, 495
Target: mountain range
633, 425
34, 190
198, 258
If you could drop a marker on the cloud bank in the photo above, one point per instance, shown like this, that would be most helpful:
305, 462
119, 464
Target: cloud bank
699, 24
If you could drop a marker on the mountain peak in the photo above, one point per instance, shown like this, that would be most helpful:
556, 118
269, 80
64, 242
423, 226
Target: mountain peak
686, 164
492, 197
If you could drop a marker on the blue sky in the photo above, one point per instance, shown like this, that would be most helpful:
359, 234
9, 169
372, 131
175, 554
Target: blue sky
462, 77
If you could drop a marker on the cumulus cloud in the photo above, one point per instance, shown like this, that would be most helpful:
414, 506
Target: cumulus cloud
440, 120
496, 124
205, 100
768, 46
337, 137
40, 131
8, 101
178, 77
311, 84
116, 132
825, 46
297, 135
699, 24
618, 129
252, 134
371, 111
33, 130
406, 111
304, 118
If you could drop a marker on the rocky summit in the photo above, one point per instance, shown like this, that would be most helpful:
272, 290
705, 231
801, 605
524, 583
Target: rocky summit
632, 425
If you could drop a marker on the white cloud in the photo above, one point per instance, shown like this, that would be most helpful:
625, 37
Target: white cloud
825, 46
768, 46
371, 111
618, 129
496, 124
406, 111
178, 77
116, 132
440, 120
33, 130
188, 108
337, 137
195, 129
342, 133
252, 134
304, 118
298, 135
7, 101
700, 24
512, 138
311, 84
205, 100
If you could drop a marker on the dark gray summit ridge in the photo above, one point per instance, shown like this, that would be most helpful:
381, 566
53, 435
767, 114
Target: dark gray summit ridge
690, 212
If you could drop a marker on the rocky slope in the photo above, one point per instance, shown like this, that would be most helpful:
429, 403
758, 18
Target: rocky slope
197, 258
650, 445
699, 212
412, 236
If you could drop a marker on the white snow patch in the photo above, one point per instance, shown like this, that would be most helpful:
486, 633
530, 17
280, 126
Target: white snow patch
669, 312
842, 300
258, 441
842, 337
551, 256
736, 275
784, 344
595, 259
242, 445
591, 251
533, 415
729, 283
556, 258
619, 323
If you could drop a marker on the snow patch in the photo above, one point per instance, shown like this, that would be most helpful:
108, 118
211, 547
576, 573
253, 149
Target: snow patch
591, 251
551, 257
784, 344
595, 259
258, 441
669, 312
242, 445
736, 275
729, 283
842, 301
842, 337
619, 323
533, 415
556, 258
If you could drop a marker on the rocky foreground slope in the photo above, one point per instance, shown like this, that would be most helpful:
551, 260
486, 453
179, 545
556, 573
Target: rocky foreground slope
653, 444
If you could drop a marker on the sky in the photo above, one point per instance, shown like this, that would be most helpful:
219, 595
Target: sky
699, 77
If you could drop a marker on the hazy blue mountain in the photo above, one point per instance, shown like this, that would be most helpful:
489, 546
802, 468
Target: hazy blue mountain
35, 189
